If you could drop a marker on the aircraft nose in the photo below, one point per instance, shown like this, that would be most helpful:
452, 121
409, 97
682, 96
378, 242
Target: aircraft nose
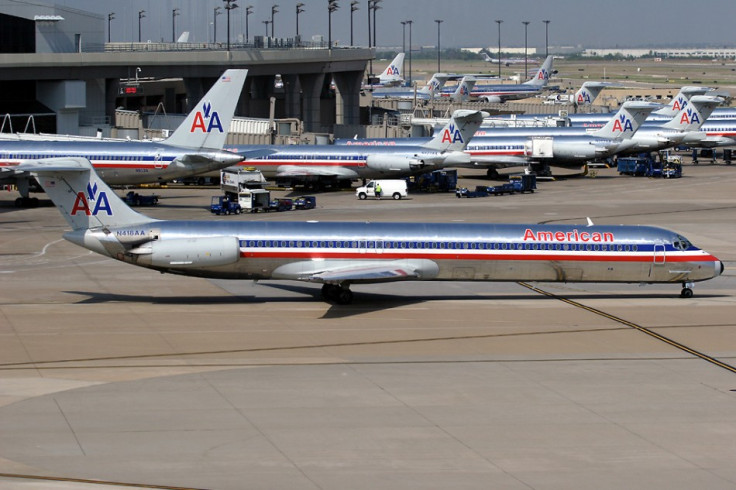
723, 267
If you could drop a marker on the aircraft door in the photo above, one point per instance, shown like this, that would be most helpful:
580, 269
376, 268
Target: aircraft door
157, 162
659, 254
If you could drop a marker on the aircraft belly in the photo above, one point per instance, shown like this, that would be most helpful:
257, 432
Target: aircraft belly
537, 270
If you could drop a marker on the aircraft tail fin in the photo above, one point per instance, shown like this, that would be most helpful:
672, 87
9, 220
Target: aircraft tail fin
208, 124
681, 100
542, 77
588, 92
393, 73
626, 121
81, 196
435, 84
693, 115
458, 131
462, 93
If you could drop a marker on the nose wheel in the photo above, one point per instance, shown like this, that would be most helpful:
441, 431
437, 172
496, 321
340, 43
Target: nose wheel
342, 295
687, 290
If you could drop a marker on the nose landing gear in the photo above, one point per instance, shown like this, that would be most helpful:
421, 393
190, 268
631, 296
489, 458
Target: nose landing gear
687, 290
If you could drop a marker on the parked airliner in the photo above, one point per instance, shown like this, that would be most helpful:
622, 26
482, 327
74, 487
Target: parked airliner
502, 92
194, 148
309, 163
338, 254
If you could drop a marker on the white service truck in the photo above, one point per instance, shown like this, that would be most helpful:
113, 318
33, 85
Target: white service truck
395, 189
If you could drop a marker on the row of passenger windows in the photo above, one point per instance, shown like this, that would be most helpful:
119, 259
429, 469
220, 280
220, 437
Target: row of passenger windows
496, 147
287, 156
388, 245
117, 158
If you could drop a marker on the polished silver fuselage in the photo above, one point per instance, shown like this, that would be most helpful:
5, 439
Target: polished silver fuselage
472, 252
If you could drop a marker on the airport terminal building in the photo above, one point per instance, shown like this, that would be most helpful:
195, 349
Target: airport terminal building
56, 66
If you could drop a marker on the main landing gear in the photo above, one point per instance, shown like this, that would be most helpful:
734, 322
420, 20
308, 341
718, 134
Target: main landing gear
342, 295
687, 290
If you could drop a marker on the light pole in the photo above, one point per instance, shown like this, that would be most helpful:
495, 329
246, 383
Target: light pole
331, 7
410, 22
174, 13
546, 37
499, 47
370, 62
274, 11
214, 24
248, 11
110, 16
229, 5
403, 44
141, 14
438, 43
353, 8
375, 7
266, 22
526, 70
299, 10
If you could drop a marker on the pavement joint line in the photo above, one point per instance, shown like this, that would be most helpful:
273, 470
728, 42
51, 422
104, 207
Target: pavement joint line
635, 326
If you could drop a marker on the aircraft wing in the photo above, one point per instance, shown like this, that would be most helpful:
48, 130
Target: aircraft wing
358, 271
315, 171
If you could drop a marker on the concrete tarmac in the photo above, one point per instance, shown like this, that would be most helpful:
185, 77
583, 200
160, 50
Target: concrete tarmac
115, 376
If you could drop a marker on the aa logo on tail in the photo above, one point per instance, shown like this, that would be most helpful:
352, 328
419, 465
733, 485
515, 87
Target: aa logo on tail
584, 97
622, 124
211, 117
679, 104
82, 202
690, 116
543, 74
392, 70
452, 135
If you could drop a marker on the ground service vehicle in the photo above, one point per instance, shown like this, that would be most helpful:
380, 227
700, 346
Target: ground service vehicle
395, 189
223, 205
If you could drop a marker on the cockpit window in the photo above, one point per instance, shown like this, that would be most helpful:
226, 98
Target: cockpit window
681, 243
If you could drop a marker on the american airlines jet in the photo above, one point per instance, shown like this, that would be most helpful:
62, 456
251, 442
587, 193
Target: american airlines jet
194, 148
339, 254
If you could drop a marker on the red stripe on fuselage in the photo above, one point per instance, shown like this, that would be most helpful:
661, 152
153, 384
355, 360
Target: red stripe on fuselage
451, 255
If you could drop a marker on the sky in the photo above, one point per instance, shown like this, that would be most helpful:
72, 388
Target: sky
466, 23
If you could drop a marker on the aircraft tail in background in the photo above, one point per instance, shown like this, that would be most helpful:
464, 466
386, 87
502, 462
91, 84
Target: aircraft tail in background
542, 76
626, 121
208, 124
692, 116
458, 131
393, 74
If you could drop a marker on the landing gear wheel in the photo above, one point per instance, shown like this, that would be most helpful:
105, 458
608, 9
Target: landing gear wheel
329, 291
340, 295
687, 290
344, 296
